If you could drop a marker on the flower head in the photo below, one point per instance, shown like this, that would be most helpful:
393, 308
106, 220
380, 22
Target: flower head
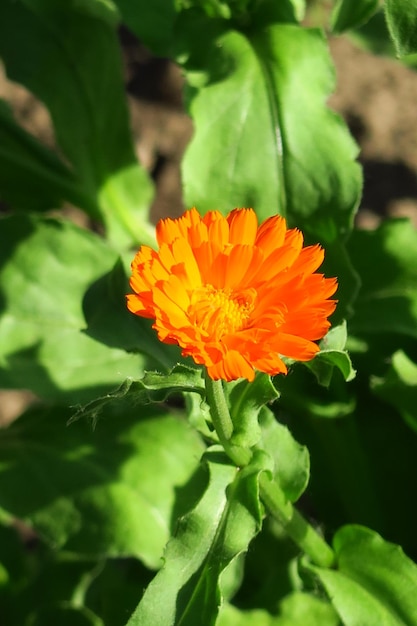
236, 297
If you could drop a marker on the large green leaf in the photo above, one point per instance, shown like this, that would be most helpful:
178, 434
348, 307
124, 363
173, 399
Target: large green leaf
401, 18
386, 261
374, 583
62, 64
352, 13
107, 491
264, 137
187, 590
46, 269
47, 180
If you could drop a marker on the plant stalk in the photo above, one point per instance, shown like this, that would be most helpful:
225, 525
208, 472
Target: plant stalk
296, 526
300, 531
222, 422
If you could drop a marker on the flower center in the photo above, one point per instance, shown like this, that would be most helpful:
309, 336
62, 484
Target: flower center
219, 312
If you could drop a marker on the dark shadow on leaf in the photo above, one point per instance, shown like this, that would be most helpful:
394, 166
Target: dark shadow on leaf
188, 495
25, 371
110, 322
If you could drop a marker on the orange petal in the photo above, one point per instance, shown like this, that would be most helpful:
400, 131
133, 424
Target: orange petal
243, 225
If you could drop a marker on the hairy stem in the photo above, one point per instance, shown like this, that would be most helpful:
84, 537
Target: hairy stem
222, 422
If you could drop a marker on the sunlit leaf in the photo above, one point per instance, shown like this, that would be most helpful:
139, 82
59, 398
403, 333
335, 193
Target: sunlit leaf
246, 401
153, 387
374, 583
46, 268
294, 610
291, 461
332, 355
187, 590
263, 135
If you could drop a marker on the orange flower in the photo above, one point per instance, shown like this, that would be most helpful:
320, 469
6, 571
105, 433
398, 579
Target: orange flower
236, 297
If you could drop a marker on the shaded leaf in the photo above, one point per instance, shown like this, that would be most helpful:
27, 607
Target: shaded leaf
187, 590
47, 180
153, 22
401, 16
87, 107
386, 261
65, 615
113, 594
110, 491
375, 583
264, 137
399, 387
349, 14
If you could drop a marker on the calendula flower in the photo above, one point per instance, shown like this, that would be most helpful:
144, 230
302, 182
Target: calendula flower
236, 297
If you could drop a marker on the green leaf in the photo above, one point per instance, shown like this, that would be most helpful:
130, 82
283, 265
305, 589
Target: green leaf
87, 107
303, 608
386, 260
111, 491
296, 609
153, 387
113, 594
246, 400
374, 36
401, 16
153, 22
46, 268
399, 387
109, 322
299, 8
291, 461
264, 137
231, 616
349, 14
187, 590
332, 355
58, 579
47, 180
375, 583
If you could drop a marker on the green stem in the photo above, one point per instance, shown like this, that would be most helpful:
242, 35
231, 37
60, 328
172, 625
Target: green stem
300, 531
222, 422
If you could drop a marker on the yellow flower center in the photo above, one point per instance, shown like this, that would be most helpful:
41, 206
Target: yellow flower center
219, 312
